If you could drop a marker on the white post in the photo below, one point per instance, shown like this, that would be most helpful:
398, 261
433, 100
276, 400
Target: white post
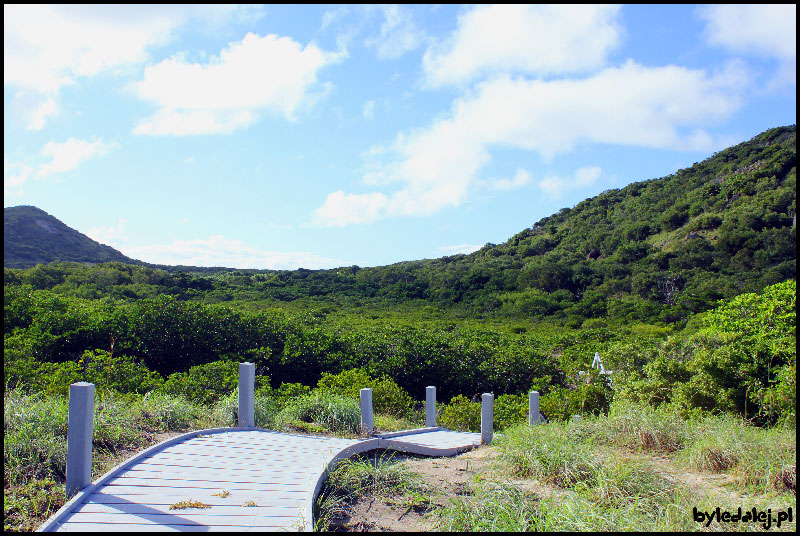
533, 407
80, 428
247, 386
430, 406
487, 418
366, 410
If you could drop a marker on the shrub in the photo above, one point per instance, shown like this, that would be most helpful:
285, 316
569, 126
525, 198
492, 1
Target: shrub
387, 397
208, 383
461, 414
510, 410
119, 373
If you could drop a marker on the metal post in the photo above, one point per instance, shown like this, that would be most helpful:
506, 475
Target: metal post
80, 428
487, 418
366, 410
430, 406
247, 398
533, 407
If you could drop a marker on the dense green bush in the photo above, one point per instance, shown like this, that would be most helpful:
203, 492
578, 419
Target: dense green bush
461, 414
387, 397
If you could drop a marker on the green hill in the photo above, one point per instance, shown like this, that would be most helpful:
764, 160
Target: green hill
656, 250
31, 236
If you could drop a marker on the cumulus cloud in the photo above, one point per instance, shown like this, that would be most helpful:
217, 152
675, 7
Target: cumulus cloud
341, 209
537, 39
757, 29
269, 74
760, 30
15, 174
438, 166
218, 250
59, 158
556, 186
70, 154
48, 47
521, 179
111, 235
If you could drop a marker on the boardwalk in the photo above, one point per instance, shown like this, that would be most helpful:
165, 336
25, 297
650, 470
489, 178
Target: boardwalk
250, 479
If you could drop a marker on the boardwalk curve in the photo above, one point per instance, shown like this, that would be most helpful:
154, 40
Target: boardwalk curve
277, 475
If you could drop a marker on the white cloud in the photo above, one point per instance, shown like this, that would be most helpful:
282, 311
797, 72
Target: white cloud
521, 179
221, 251
556, 186
757, 29
257, 74
540, 39
37, 118
341, 209
111, 235
62, 157
437, 167
398, 33
466, 249
69, 155
47, 47
15, 174
761, 30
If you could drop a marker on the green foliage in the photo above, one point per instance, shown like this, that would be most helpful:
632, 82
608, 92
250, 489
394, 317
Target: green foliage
387, 397
207, 383
743, 361
120, 373
336, 414
510, 410
25, 506
561, 403
461, 414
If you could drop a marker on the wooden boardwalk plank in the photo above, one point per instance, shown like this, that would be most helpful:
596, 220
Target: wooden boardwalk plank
280, 473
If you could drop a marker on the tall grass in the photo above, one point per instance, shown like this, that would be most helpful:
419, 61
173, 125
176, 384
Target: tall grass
335, 413
544, 453
493, 508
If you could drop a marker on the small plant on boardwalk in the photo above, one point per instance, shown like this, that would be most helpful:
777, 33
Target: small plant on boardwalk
224, 493
191, 503
249, 503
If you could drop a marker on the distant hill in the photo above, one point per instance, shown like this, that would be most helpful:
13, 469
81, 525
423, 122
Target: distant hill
31, 236
660, 249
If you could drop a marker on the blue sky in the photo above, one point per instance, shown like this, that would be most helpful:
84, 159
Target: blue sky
325, 136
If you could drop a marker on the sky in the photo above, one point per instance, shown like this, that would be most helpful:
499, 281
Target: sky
322, 136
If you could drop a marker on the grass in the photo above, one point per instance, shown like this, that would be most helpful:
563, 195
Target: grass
598, 463
379, 475
604, 467
336, 414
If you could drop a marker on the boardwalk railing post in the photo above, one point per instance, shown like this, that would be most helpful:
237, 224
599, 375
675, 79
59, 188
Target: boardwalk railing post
430, 406
533, 407
366, 410
247, 386
487, 418
80, 428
